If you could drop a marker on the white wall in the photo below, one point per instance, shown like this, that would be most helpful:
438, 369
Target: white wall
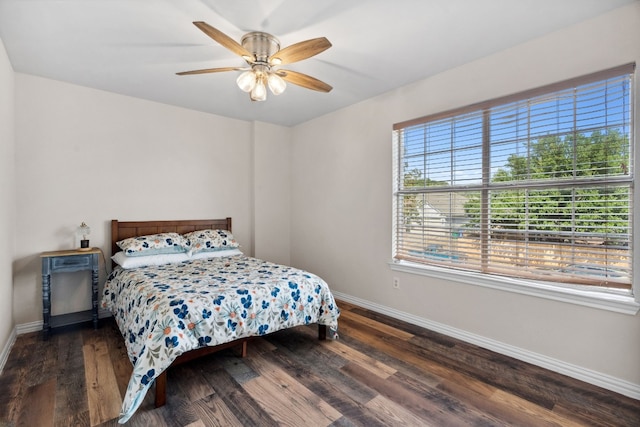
88, 155
272, 192
341, 203
7, 200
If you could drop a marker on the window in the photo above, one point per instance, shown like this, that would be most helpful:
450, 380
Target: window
536, 185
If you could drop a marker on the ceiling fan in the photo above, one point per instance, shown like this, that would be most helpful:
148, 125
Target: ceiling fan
263, 54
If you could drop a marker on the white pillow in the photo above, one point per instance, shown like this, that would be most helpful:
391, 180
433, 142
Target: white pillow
216, 254
127, 262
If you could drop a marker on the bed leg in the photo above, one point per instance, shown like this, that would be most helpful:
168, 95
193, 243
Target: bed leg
322, 332
243, 350
161, 389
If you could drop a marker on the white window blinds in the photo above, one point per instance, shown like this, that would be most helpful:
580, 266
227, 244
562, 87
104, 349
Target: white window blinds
536, 185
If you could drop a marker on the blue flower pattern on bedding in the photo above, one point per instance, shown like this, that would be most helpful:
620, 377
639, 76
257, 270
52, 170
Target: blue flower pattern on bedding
164, 311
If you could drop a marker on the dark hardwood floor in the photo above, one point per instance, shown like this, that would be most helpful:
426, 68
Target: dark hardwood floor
381, 372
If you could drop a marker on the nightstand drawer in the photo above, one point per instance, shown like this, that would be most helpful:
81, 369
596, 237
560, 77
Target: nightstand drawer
71, 263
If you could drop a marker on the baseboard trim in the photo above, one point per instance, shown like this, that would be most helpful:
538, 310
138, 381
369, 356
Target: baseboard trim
599, 379
36, 326
4, 356
25, 328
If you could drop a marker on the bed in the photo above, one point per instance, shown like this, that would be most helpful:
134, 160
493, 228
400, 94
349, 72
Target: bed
186, 305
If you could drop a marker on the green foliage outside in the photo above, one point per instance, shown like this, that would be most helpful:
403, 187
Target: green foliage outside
557, 213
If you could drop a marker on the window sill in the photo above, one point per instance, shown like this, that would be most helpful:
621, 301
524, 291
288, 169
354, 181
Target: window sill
617, 302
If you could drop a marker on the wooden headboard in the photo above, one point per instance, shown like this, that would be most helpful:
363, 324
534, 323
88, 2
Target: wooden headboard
124, 229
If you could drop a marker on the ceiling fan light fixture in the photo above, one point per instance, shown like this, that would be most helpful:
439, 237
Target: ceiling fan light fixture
247, 81
262, 51
276, 84
259, 92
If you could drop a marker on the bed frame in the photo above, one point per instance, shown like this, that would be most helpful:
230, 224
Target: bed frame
124, 229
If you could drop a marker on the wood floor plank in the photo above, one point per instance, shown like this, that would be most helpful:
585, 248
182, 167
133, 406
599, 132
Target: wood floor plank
409, 328
394, 414
521, 383
395, 348
346, 306
213, 412
260, 346
44, 356
367, 362
432, 405
71, 392
518, 377
305, 341
78, 419
242, 405
178, 410
233, 364
285, 399
384, 328
509, 408
190, 382
587, 403
341, 392
103, 395
400, 365
122, 367
38, 405
534, 414
12, 390
600, 415
13, 382
151, 417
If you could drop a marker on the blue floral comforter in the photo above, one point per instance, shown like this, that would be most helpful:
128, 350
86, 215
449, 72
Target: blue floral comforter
164, 311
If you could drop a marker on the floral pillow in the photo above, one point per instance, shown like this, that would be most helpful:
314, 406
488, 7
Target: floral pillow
154, 244
210, 240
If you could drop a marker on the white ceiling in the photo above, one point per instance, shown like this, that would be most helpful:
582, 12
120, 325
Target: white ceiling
135, 47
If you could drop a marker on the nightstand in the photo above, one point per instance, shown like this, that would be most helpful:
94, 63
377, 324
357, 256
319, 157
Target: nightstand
62, 262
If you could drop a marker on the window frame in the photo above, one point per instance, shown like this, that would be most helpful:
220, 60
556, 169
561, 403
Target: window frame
623, 302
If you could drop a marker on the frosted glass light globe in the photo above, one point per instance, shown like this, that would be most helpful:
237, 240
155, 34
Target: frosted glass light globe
246, 81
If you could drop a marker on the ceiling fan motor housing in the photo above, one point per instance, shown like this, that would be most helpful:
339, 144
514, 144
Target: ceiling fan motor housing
262, 45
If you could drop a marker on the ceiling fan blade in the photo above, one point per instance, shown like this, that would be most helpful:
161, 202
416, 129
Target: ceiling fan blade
299, 51
209, 70
225, 40
304, 80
